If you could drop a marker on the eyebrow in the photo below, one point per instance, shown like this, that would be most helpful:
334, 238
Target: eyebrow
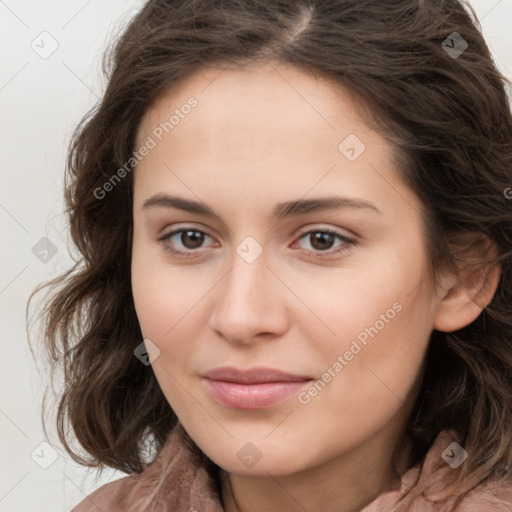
280, 211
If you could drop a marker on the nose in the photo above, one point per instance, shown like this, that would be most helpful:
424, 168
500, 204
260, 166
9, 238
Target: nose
250, 303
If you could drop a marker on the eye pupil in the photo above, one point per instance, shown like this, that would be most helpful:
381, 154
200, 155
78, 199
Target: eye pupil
196, 237
325, 240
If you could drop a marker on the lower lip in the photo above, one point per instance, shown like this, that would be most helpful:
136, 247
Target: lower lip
253, 396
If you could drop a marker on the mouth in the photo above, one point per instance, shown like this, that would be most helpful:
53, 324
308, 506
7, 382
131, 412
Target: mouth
256, 388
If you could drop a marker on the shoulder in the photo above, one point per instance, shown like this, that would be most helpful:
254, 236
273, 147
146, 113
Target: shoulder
426, 483
424, 486
179, 478
107, 498
495, 496
134, 488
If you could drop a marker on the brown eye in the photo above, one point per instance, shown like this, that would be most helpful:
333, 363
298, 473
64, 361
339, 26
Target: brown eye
321, 240
191, 238
184, 241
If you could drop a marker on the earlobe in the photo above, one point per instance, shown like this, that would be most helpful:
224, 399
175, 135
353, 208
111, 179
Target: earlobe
465, 300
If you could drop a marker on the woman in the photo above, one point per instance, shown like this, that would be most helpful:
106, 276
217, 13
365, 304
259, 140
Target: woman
337, 333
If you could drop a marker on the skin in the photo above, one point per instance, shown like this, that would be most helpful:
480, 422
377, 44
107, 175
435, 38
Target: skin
259, 137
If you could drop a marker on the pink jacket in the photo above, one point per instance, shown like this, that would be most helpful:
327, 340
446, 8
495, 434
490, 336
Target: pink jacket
178, 480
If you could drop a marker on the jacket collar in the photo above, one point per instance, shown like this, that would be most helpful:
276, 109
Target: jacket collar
183, 478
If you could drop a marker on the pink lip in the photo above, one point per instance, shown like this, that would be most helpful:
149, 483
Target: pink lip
256, 388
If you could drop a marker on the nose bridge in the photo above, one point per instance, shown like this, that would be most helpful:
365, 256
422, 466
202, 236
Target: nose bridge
246, 305
246, 284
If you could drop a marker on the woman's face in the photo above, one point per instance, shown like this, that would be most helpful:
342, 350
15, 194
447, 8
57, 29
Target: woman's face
236, 170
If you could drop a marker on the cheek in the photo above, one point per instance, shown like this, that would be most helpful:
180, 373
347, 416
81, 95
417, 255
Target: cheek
161, 293
166, 316
158, 297
382, 349
374, 385
371, 298
380, 325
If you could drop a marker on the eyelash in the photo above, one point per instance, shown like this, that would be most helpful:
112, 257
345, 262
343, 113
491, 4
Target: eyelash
345, 246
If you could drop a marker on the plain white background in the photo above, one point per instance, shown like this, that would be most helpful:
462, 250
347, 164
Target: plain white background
42, 98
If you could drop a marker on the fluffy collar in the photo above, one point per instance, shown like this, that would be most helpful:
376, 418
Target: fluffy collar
183, 479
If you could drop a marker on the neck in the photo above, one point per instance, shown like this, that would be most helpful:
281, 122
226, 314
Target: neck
343, 484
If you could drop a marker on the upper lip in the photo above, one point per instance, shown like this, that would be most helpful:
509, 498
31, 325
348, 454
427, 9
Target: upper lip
252, 375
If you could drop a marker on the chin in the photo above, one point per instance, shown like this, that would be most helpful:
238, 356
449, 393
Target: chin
255, 459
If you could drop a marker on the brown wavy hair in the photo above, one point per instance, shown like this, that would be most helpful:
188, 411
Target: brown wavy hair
448, 119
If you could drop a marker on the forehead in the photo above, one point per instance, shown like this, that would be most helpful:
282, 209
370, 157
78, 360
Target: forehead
271, 130
270, 105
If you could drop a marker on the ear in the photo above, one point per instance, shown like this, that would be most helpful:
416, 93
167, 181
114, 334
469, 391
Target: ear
462, 300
